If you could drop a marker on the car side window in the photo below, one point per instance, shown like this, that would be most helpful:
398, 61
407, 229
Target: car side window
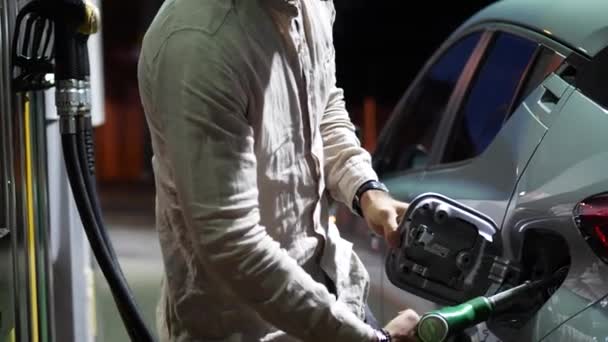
410, 140
546, 62
490, 97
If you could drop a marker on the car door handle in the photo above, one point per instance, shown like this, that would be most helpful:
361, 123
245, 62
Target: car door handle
553, 88
549, 97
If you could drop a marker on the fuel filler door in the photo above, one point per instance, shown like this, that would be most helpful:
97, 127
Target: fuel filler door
448, 252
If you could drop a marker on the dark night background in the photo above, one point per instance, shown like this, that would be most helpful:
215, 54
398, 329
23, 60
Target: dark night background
380, 46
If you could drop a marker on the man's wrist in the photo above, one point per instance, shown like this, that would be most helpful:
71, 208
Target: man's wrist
369, 185
383, 336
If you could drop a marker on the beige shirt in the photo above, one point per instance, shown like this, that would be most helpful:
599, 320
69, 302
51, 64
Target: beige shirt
251, 142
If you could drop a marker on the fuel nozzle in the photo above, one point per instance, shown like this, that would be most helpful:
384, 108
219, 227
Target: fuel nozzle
68, 25
72, 71
438, 325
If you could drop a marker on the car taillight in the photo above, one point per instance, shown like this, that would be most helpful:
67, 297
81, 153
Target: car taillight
591, 216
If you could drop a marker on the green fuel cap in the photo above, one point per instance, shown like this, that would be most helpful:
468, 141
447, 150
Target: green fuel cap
432, 328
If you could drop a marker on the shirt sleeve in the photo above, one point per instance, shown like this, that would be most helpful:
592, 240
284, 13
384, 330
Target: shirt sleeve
347, 164
210, 145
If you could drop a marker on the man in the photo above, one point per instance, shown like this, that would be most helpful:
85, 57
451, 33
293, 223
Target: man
251, 139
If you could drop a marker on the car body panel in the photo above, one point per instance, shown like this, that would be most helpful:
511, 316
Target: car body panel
580, 24
543, 110
587, 326
569, 166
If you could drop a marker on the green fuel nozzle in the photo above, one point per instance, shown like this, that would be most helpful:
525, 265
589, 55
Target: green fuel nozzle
438, 325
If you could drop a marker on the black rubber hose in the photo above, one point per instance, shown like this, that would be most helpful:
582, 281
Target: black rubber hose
128, 310
86, 158
86, 155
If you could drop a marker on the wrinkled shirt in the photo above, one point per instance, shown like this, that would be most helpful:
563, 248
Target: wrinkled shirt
252, 142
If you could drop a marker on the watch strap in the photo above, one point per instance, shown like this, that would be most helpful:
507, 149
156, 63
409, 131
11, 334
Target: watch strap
369, 185
383, 336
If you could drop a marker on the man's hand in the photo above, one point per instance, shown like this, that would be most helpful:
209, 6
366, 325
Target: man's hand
383, 214
403, 327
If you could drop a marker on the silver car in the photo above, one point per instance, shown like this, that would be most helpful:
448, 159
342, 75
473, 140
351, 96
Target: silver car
509, 118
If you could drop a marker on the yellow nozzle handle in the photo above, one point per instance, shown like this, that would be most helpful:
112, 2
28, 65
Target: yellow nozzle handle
92, 20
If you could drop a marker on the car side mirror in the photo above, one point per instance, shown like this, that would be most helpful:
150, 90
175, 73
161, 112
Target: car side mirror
415, 156
419, 157
447, 253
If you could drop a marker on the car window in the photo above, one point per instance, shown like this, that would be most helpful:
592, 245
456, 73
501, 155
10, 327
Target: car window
489, 97
411, 137
546, 62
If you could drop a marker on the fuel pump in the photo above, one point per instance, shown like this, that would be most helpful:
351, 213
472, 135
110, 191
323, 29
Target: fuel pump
51, 38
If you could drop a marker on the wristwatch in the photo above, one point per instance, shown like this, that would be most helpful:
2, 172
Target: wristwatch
382, 335
369, 185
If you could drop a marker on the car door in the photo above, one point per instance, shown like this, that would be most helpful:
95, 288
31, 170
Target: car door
413, 127
488, 132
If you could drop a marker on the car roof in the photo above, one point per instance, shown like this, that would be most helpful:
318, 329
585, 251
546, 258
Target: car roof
580, 24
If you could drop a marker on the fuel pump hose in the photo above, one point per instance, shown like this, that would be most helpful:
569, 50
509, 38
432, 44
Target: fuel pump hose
73, 103
70, 23
134, 323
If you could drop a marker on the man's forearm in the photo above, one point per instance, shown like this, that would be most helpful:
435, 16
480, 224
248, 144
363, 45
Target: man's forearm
347, 164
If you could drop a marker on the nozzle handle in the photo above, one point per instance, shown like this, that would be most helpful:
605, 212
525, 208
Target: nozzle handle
437, 325
74, 20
